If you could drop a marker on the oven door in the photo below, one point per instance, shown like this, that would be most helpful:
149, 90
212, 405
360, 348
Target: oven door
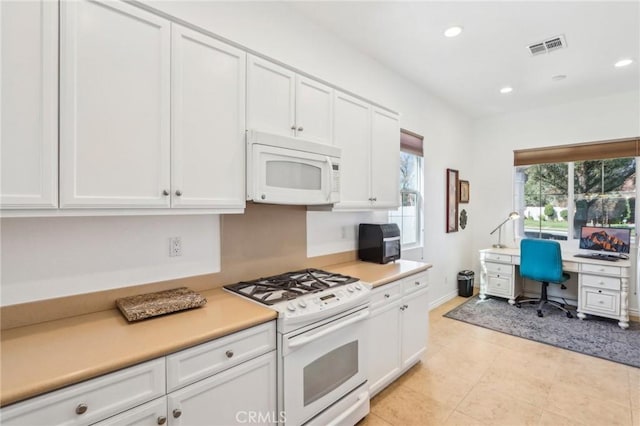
322, 365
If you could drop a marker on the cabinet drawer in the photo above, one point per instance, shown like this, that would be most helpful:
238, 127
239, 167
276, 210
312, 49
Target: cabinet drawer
499, 269
191, 365
600, 269
386, 293
599, 281
600, 301
415, 283
149, 414
499, 286
498, 257
91, 401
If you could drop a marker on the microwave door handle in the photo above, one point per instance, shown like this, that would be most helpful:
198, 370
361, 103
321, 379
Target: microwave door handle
329, 183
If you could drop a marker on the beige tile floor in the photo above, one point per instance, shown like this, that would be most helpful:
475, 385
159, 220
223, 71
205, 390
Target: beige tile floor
474, 376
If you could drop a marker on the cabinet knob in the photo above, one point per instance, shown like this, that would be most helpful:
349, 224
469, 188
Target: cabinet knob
601, 302
386, 296
300, 128
599, 291
82, 408
263, 196
402, 308
165, 192
293, 127
178, 193
417, 283
177, 413
374, 199
229, 353
162, 420
406, 306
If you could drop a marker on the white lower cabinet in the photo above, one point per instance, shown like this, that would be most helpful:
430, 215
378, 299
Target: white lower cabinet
398, 329
239, 388
243, 394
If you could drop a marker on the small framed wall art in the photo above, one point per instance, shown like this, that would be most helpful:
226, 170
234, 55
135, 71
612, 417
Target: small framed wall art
452, 200
464, 191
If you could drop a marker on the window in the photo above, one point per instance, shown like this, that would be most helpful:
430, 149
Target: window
575, 188
408, 216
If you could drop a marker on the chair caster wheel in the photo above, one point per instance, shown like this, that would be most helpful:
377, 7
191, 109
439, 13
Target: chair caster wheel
569, 315
540, 314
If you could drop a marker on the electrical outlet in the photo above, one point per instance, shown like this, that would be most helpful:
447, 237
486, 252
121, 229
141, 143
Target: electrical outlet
175, 246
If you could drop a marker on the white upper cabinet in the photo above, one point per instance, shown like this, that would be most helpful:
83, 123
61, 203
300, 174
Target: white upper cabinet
114, 106
29, 110
208, 122
370, 141
385, 159
314, 110
353, 136
284, 103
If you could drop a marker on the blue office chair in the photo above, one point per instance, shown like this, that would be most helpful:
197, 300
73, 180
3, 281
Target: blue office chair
541, 260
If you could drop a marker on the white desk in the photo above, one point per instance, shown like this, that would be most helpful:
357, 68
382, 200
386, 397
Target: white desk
603, 287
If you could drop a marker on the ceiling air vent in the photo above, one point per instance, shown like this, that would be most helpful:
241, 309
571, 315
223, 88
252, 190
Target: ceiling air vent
547, 46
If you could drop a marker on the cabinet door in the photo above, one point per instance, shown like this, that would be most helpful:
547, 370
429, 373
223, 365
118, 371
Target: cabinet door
29, 109
271, 97
229, 397
415, 327
208, 121
352, 134
384, 346
385, 159
314, 110
114, 106
150, 414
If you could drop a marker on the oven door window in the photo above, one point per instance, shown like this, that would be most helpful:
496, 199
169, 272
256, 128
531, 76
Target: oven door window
293, 175
392, 248
330, 371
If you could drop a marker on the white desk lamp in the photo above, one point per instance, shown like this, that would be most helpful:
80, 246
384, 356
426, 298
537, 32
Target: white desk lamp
512, 216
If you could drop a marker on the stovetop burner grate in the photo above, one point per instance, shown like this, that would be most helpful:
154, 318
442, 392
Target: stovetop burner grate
288, 286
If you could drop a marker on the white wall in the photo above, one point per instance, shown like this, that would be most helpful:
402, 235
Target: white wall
495, 138
44, 258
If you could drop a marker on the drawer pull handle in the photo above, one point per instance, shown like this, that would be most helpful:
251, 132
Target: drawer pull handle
386, 296
417, 282
599, 291
162, 420
177, 413
602, 269
82, 408
229, 353
601, 302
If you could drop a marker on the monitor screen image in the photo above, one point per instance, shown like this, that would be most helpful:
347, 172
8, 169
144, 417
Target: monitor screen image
616, 240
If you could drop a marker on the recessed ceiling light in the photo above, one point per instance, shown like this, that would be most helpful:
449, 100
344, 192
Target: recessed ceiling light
558, 77
453, 31
623, 63
506, 89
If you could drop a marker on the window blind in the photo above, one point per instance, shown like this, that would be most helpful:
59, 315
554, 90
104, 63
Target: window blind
618, 148
411, 143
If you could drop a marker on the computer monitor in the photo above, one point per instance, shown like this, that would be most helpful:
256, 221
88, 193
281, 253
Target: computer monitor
610, 240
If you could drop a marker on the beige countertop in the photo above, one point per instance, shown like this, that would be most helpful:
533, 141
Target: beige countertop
43, 357
379, 274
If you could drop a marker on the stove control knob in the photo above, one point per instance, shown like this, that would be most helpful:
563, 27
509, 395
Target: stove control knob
291, 306
358, 286
350, 289
302, 303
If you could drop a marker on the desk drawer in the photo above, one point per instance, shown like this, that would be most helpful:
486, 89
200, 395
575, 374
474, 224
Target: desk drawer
600, 301
499, 269
498, 257
193, 364
499, 286
601, 269
599, 281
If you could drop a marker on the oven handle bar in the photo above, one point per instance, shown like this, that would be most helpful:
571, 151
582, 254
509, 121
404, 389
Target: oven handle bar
306, 338
362, 398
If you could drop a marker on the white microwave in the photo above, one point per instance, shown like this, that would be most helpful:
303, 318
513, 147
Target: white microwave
286, 170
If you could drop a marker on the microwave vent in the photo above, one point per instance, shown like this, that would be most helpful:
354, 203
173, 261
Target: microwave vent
546, 46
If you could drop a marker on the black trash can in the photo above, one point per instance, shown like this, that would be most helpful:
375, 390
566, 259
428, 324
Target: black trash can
465, 283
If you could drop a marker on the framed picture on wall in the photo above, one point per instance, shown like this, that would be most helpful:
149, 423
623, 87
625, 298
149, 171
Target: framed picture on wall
464, 191
452, 200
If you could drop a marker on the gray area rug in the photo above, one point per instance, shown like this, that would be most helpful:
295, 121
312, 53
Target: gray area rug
595, 336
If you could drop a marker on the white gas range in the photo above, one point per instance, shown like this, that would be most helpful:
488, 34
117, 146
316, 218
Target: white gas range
322, 344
